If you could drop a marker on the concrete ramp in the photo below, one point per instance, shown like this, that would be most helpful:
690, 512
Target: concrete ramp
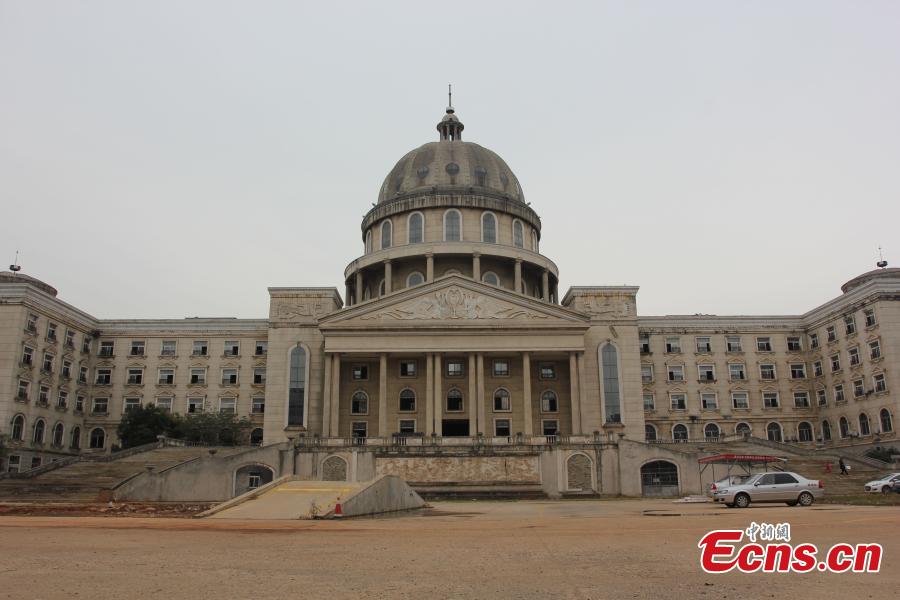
291, 498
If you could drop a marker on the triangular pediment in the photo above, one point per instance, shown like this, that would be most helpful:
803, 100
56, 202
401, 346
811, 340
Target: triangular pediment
458, 302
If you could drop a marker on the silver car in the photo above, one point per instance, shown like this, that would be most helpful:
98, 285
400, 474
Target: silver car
885, 485
777, 486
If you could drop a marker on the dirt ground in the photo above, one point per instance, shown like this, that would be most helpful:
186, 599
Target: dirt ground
533, 549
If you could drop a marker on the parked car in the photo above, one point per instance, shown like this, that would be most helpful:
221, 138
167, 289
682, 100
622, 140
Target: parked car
885, 485
724, 483
776, 486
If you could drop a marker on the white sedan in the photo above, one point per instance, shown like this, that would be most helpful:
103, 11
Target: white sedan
885, 485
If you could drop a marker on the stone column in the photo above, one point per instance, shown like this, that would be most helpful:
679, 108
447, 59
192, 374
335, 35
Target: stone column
476, 266
545, 285
348, 297
359, 286
518, 280
382, 397
438, 396
479, 368
335, 394
474, 426
429, 267
429, 395
326, 398
574, 393
387, 277
582, 390
526, 394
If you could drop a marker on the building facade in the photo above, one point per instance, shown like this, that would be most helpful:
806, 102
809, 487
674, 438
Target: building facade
452, 328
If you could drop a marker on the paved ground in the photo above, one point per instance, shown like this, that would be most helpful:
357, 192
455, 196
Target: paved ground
535, 549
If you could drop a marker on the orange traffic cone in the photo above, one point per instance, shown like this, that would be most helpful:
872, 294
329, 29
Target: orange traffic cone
338, 510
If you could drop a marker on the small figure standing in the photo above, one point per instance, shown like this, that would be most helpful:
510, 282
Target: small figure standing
843, 466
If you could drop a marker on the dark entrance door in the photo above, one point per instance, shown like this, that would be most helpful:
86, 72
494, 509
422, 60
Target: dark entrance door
455, 427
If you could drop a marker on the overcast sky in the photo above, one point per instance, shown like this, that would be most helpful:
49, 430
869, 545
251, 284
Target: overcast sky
172, 159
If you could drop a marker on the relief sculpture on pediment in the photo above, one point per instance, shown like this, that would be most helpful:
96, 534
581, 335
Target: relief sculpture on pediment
451, 304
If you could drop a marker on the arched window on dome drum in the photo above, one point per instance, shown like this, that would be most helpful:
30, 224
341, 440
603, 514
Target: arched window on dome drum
491, 278
452, 226
887, 424
534, 241
381, 289
416, 226
386, 230
367, 295
415, 278
518, 234
369, 241
489, 228
609, 359
297, 387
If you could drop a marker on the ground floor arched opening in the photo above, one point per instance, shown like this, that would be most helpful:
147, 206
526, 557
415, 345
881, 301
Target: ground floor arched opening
659, 478
250, 477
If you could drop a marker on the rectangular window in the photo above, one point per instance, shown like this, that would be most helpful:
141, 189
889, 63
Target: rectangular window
407, 426
454, 402
22, 393
646, 373
132, 404
835, 362
51, 331
767, 372
822, 397
194, 405
678, 401
870, 317
798, 371
227, 406
793, 343
79, 404
229, 376
408, 368
814, 340
259, 376
649, 402
359, 372
104, 377
27, 356
67, 369
137, 348
733, 343
763, 344
550, 427
47, 365
736, 371
168, 348
676, 373
70, 338
707, 372
107, 348
831, 333
200, 348
880, 383
258, 405
164, 403
817, 369
12, 466
875, 350
454, 368
31, 324
502, 428
359, 429
36, 461
135, 376
100, 406
770, 399
801, 399
854, 356
673, 344
859, 388
232, 348
849, 325
44, 395
198, 376
548, 371
62, 399
644, 341
709, 401
82, 374
501, 367
262, 347
839, 393
740, 400
166, 376
703, 345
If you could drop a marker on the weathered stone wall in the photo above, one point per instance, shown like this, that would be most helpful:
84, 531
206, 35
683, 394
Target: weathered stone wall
461, 468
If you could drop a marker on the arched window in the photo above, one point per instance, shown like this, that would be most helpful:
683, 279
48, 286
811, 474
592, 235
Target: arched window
58, 435
386, 231
805, 432
359, 403
489, 228
518, 234
537, 291
649, 432
297, 387
416, 228
38, 436
382, 289
491, 278
75, 438
742, 429
887, 424
452, 226
711, 431
864, 424
256, 437
407, 400
609, 360
534, 241
368, 241
367, 295
680, 433
98, 439
549, 402
773, 432
18, 428
826, 431
501, 400
844, 427
454, 400
415, 278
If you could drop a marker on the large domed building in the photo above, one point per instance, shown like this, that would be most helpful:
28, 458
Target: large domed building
452, 361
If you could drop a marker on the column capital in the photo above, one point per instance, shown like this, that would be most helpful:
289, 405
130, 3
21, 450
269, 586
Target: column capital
476, 254
519, 260
386, 261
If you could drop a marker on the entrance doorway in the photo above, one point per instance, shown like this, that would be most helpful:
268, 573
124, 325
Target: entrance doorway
455, 427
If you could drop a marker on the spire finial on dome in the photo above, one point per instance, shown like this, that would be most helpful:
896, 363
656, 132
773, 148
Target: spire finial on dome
450, 126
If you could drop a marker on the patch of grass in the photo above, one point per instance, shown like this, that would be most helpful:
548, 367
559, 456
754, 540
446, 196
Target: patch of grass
863, 499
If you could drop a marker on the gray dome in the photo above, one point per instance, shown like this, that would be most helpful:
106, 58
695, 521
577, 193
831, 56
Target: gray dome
448, 165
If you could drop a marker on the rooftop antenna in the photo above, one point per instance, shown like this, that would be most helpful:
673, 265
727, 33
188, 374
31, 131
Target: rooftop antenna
450, 96
881, 262
15, 268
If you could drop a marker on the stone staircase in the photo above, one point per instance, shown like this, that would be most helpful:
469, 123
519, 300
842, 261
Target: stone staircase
92, 480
